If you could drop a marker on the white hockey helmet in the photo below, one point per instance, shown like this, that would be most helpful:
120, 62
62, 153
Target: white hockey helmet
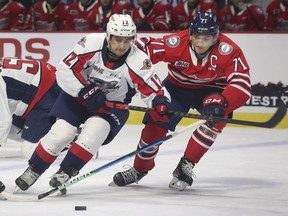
121, 25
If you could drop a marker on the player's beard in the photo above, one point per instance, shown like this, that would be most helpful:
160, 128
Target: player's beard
113, 57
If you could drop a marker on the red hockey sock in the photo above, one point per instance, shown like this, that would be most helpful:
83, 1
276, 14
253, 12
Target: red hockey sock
144, 161
200, 142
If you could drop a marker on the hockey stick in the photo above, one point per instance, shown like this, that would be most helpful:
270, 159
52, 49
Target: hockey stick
25, 197
51, 12
272, 122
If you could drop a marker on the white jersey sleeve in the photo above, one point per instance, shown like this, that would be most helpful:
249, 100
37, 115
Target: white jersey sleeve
142, 76
6, 117
70, 71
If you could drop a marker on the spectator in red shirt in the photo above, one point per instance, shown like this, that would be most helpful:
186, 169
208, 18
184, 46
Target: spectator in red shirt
241, 16
48, 15
183, 13
12, 15
277, 16
77, 18
152, 15
106, 8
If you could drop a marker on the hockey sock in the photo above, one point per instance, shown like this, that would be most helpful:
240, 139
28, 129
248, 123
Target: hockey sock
76, 157
41, 159
200, 142
144, 161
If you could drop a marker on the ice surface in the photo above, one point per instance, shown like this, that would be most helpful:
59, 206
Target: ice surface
245, 173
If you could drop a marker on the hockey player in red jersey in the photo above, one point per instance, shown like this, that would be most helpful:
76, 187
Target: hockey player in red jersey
12, 15
77, 18
277, 16
106, 8
152, 16
48, 15
183, 13
28, 92
241, 16
207, 71
95, 71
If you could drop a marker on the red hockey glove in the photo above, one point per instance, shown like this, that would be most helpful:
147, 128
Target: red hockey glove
94, 99
214, 105
160, 108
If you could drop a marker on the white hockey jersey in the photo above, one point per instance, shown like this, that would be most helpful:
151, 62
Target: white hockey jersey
88, 63
23, 83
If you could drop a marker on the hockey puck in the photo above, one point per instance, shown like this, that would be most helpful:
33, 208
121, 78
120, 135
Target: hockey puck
80, 208
2, 187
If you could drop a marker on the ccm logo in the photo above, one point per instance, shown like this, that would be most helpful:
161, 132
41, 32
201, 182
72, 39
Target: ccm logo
90, 92
212, 100
30, 46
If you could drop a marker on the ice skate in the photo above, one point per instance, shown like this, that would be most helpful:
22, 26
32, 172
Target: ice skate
61, 177
27, 179
182, 175
127, 177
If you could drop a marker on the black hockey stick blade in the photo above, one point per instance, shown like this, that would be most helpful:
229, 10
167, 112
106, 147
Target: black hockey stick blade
272, 122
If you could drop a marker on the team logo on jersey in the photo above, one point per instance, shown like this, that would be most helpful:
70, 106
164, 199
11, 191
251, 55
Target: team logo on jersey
182, 64
224, 48
82, 42
173, 41
105, 86
146, 65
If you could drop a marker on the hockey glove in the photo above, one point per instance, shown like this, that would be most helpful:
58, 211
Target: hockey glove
18, 121
160, 108
94, 98
214, 105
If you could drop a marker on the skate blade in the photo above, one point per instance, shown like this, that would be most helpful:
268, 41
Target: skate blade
17, 190
177, 185
2, 197
112, 184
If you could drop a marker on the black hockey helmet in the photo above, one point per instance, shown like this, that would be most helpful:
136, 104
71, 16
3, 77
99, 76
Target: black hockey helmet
204, 23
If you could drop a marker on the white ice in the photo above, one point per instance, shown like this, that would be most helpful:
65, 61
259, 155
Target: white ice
245, 173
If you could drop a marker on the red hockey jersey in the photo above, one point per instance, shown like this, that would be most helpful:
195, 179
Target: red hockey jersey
12, 16
277, 16
181, 15
251, 18
224, 67
43, 18
160, 16
99, 18
77, 18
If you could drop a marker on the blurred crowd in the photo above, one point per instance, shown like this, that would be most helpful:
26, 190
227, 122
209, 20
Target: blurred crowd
148, 15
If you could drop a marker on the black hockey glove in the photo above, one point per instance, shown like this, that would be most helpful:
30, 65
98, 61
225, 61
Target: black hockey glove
214, 105
18, 121
94, 98
160, 108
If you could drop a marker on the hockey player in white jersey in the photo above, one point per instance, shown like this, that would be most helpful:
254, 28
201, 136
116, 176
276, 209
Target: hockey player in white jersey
97, 70
28, 89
